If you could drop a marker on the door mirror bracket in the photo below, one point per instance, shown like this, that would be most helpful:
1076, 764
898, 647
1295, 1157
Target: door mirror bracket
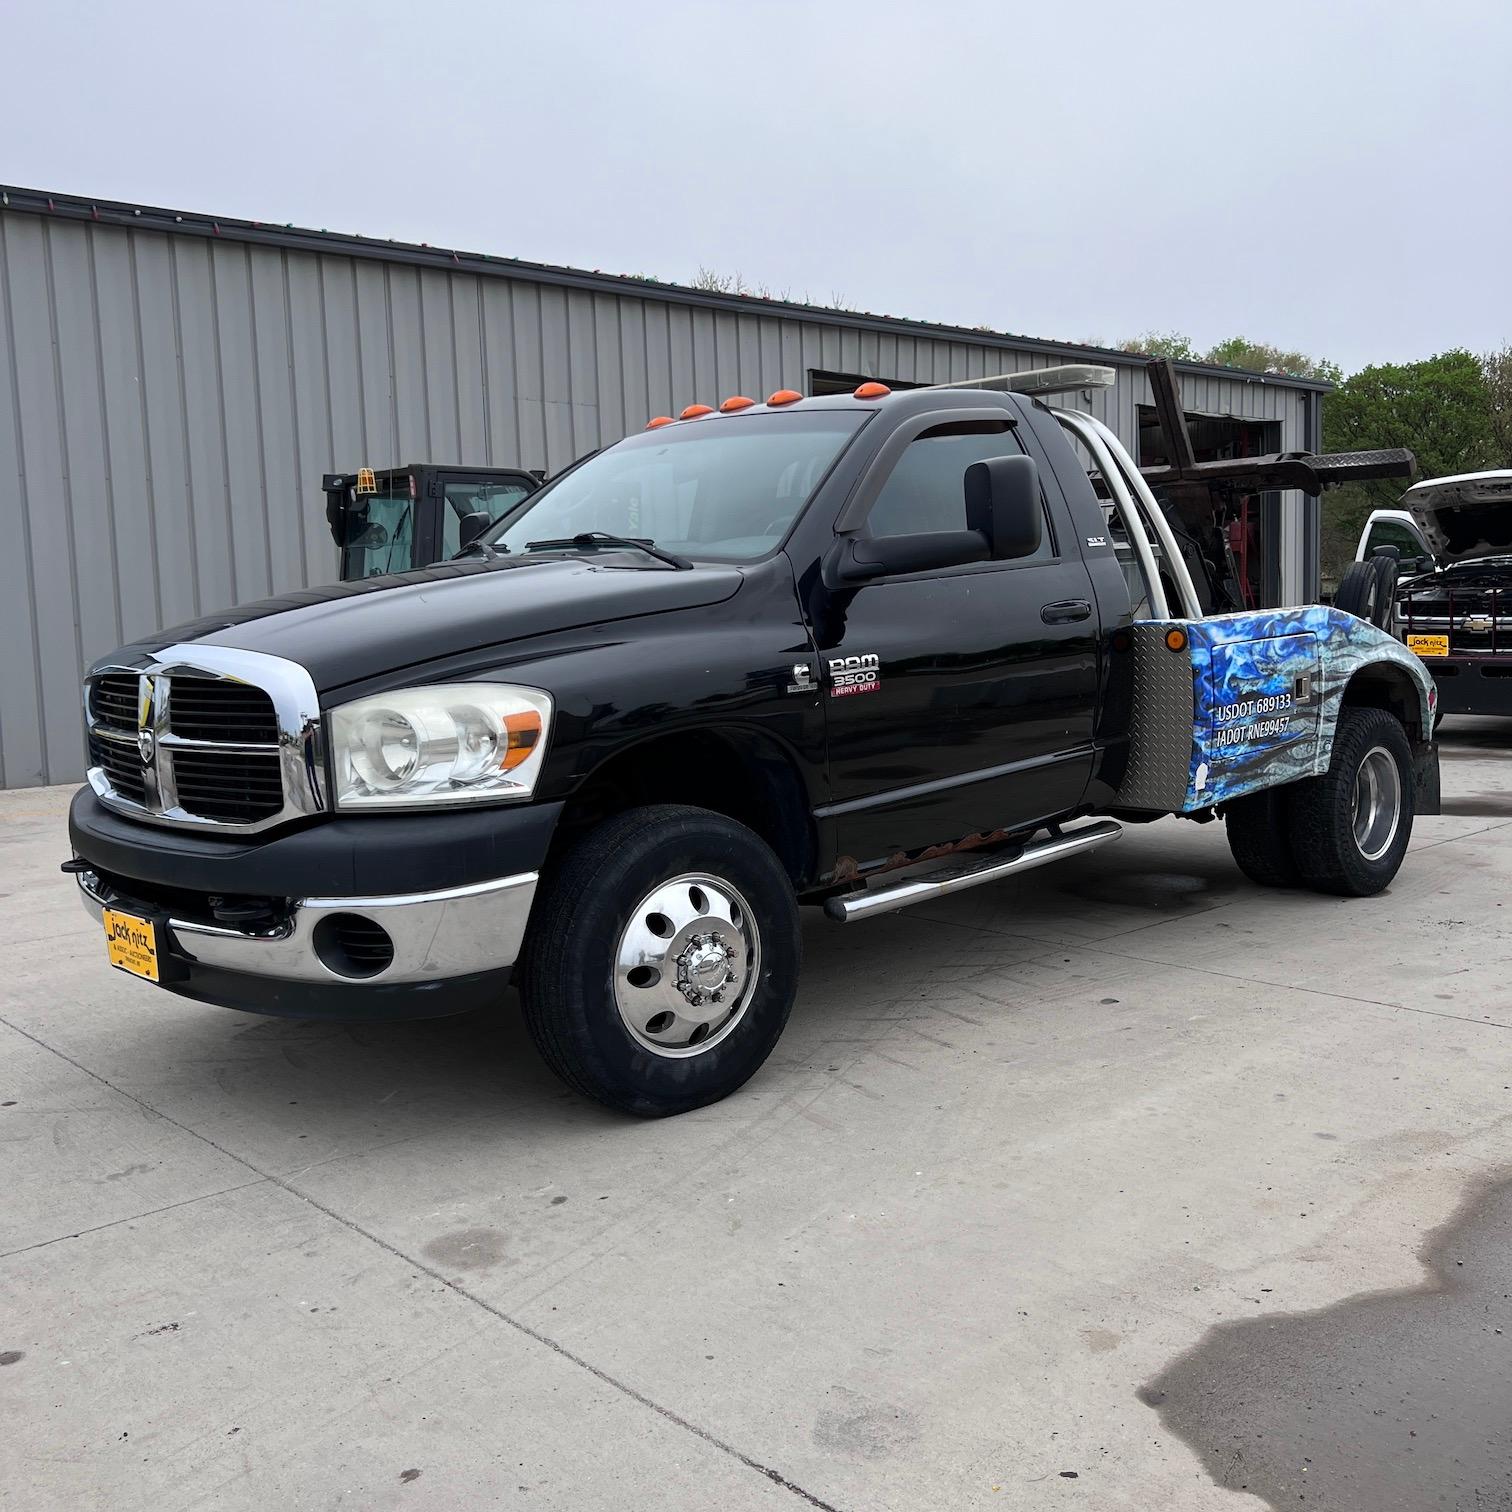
861, 559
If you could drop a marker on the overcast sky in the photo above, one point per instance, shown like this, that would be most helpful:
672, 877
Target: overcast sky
1321, 174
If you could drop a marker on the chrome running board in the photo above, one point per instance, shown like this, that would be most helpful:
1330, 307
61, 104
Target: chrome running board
885, 899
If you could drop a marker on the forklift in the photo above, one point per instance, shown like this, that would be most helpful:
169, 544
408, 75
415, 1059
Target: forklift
392, 519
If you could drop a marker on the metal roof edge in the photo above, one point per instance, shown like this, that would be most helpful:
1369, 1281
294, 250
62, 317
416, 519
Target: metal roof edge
263, 233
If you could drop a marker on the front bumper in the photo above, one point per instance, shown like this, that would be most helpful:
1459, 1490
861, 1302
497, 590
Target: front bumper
434, 935
1472, 684
241, 926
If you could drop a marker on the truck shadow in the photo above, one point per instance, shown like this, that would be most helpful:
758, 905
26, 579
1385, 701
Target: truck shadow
1464, 735
1386, 1400
343, 1083
340, 1084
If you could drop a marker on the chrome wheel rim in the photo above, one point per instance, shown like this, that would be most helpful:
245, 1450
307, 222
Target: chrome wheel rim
1377, 803
686, 965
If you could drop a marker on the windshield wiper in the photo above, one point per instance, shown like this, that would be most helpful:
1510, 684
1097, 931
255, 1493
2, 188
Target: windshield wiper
490, 552
603, 538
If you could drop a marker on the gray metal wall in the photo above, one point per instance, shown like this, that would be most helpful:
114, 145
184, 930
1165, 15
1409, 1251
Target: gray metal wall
168, 403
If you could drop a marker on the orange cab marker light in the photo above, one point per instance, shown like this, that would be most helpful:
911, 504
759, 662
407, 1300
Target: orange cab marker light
784, 396
658, 422
1176, 640
735, 402
693, 411
872, 391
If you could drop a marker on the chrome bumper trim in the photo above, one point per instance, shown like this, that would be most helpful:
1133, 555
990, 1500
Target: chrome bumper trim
436, 935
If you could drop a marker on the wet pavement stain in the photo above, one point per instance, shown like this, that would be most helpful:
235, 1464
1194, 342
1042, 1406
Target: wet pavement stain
859, 1428
1385, 1402
468, 1249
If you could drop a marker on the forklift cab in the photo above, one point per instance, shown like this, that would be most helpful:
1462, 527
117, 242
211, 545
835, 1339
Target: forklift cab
392, 519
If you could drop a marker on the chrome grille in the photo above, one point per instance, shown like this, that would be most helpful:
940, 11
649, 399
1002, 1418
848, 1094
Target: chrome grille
122, 764
236, 787
208, 708
113, 702
205, 735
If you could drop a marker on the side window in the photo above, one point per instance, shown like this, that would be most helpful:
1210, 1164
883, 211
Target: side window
926, 489
493, 499
1392, 533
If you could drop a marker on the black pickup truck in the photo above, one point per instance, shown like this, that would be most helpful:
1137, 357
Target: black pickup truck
852, 651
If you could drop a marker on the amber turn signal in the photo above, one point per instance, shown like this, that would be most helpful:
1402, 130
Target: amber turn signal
524, 730
1176, 640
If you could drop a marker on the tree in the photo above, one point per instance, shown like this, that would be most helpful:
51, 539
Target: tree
1236, 352
1497, 368
1440, 408
1170, 344
1261, 357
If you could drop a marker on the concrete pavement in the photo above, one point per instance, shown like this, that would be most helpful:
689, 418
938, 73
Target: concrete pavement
963, 1243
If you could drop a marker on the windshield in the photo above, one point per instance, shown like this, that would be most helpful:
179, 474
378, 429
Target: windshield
380, 531
726, 488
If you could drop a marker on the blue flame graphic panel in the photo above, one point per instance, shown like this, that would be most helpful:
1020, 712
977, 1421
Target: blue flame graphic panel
1267, 688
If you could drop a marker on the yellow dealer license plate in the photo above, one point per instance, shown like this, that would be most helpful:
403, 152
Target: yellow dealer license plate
1429, 645
132, 944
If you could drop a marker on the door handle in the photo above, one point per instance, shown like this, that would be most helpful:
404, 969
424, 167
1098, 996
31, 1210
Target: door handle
1065, 611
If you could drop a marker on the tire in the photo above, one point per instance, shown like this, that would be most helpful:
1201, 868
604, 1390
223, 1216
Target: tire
1259, 837
1386, 569
1325, 824
1368, 591
707, 903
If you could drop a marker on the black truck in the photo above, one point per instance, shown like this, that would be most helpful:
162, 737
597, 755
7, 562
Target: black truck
854, 651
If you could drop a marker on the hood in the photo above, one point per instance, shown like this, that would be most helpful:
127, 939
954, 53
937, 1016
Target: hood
1464, 517
349, 631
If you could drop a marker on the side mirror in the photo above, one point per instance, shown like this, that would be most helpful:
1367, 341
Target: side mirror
366, 537
1394, 552
1003, 504
472, 525
862, 558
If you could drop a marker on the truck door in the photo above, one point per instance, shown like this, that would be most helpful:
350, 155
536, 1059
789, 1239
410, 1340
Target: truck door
958, 701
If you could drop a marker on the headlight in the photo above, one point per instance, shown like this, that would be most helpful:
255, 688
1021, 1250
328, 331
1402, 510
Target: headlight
454, 743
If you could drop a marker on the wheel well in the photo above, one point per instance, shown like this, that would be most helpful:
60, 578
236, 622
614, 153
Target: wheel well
746, 776
1384, 686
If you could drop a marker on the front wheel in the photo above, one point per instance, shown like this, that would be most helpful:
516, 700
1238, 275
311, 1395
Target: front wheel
662, 961
1350, 827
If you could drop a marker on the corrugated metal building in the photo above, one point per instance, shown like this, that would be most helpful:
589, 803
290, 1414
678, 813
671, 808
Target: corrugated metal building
172, 387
